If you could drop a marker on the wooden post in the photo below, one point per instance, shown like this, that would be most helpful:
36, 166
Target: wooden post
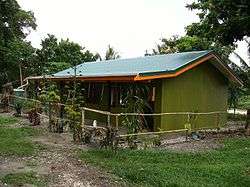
109, 120
61, 112
50, 116
83, 118
109, 97
21, 74
217, 120
186, 135
8, 103
117, 122
248, 119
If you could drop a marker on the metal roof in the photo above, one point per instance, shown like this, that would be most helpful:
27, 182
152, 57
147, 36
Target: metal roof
134, 66
143, 68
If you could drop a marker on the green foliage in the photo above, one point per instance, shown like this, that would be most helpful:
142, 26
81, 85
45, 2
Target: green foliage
111, 54
74, 115
223, 21
51, 100
28, 105
50, 95
190, 43
74, 102
15, 24
244, 102
54, 67
233, 96
73, 112
228, 166
134, 99
22, 55
58, 55
181, 44
18, 105
20, 179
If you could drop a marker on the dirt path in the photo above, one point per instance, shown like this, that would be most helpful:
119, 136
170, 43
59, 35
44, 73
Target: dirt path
58, 163
61, 163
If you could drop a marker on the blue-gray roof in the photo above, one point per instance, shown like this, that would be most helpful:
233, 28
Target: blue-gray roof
134, 66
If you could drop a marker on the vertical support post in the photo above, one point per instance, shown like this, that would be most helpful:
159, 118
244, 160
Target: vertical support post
217, 120
50, 115
21, 74
8, 103
248, 119
83, 118
186, 133
109, 97
188, 127
37, 90
109, 120
61, 123
117, 122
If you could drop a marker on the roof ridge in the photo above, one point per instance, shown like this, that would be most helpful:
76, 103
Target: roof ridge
151, 56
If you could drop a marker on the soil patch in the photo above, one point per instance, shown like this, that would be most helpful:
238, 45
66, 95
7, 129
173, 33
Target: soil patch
58, 163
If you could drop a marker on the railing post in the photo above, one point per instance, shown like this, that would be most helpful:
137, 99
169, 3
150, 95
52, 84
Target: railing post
217, 120
83, 118
61, 120
8, 103
117, 122
248, 119
186, 135
50, 116
109, 120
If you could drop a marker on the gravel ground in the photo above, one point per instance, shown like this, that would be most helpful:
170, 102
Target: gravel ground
58, 163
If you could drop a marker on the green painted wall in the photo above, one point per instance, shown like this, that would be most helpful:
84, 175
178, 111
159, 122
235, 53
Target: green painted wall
201, 89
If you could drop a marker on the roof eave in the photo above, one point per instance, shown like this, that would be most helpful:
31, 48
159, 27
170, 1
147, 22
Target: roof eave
175, 73
169, 74
81, 78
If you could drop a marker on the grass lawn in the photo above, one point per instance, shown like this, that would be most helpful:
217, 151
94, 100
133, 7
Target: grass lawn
7, 120
229, 166
15, 141
19, 179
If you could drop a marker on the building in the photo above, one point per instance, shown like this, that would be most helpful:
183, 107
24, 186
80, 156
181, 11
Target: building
181, 82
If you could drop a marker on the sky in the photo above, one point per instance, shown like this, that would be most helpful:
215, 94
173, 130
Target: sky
130, 26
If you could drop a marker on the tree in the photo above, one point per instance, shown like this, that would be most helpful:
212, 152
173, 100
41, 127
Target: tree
176, 44
21, 59
111, 53
15, 25
225, 21
181, 44
63, 52
49, 47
